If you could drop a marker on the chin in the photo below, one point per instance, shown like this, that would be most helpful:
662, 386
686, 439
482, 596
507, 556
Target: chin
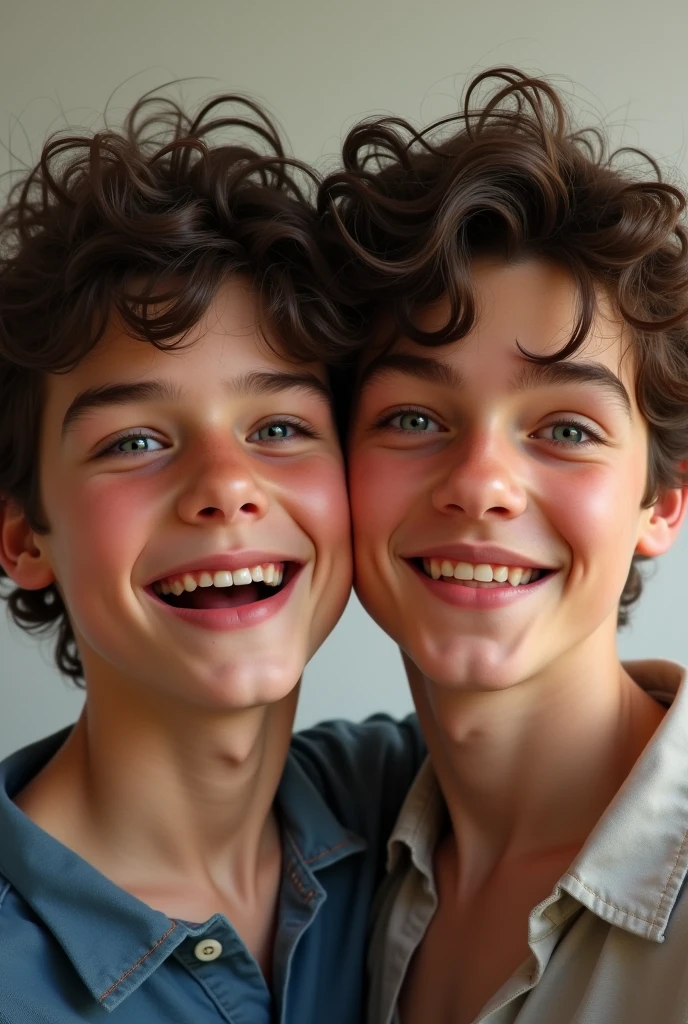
466, 665
262, 682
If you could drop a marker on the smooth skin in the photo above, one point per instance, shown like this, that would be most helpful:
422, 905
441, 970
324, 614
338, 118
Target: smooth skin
167, 781
531, 721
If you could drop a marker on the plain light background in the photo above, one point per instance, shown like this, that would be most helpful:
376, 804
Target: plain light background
319, 66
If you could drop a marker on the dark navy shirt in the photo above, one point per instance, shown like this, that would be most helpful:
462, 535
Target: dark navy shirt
76, 947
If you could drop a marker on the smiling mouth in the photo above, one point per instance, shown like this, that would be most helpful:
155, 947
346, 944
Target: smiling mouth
208, 590
480, 575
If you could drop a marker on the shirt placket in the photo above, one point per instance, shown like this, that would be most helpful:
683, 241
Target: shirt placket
301, 898
546, 925
220, 963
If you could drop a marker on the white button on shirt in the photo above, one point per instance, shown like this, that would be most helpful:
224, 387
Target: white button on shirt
207, 949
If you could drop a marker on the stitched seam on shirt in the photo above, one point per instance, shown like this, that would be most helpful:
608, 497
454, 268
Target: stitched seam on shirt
546, 935
669, 877
627, 913
296, 881
318, 856
308, 896
138, 963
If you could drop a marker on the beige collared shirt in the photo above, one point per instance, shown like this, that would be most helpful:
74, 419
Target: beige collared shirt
610, 944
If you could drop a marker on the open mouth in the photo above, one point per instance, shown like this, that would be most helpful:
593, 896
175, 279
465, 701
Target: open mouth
481, 575
224, 588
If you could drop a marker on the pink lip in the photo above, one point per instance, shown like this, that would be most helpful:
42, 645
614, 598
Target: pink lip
223, 620
479, 554
227, 561
479, 598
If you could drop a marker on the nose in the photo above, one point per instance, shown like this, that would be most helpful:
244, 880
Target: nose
222, 487
482, 481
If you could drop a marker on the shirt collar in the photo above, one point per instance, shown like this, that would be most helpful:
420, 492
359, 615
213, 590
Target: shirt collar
72, 898
633, 865
419, 824
76, 902
313, 828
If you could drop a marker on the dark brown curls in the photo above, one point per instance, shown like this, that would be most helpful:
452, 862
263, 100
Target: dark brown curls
145, 223
511, 176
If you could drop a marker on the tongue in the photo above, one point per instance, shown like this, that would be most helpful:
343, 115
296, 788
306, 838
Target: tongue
221, 597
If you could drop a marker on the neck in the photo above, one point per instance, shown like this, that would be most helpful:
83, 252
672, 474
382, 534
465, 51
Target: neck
186, 790
528, 771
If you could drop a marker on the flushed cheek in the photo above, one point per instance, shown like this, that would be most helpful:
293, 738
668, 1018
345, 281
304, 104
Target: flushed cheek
383, 494
595, 510
315, 496
108, 522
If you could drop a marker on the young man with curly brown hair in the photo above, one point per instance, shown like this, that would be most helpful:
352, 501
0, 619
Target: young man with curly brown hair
519, 441
174, 507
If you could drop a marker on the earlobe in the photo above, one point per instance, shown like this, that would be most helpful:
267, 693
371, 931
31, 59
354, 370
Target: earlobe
664, 522
21, 557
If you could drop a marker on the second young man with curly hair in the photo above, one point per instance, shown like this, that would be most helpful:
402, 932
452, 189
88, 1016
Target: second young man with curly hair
518, 443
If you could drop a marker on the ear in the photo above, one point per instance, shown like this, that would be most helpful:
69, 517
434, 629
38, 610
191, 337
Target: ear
663, 522
21, 553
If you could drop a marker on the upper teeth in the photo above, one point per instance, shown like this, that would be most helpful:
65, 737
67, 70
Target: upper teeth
482, 572
271, 573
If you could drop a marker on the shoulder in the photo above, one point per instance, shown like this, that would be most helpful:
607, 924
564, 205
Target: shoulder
363, 770
353, 750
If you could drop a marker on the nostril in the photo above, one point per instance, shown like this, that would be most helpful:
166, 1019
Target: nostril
208, 512
250, 508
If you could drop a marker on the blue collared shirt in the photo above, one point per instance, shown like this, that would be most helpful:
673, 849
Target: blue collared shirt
76, 947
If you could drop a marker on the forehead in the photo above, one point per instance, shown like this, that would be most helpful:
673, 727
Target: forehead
230, 340
526, 308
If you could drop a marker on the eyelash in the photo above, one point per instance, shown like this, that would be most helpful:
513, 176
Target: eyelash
130, 435
387, 417
593, 437
304, 428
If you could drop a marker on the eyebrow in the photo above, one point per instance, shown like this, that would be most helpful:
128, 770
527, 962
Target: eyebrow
272, 382
425, 368
560, 374
249, 385
565, 373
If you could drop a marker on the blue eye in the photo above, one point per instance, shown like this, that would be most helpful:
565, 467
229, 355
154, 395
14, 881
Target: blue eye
275, 432
133, 444
284, 430
570, 434
414, 422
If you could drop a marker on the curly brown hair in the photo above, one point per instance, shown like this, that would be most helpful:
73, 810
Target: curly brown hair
510, 175
146, 222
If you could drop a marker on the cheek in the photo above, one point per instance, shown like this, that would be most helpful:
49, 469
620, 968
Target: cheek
99, 529
382, 494
314, 493
596, 510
